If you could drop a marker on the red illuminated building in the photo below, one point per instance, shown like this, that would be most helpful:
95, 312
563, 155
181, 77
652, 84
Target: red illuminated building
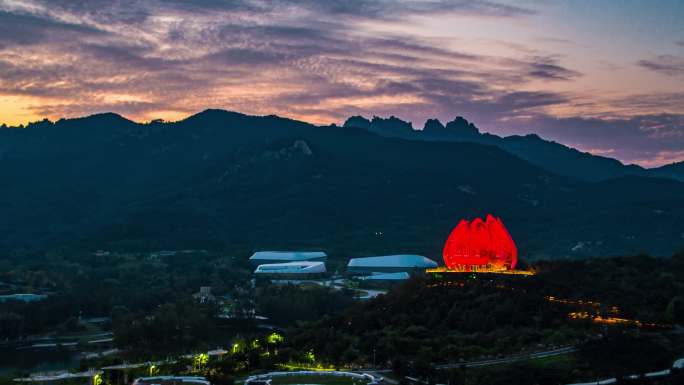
479, 245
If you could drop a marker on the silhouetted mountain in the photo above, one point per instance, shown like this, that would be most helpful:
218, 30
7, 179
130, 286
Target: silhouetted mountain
433, 125
220, 179
457, 129
566, 160
672, 170
359, 122
391, 127
549, 155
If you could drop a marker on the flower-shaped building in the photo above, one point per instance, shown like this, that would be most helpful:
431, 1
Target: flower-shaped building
480, 245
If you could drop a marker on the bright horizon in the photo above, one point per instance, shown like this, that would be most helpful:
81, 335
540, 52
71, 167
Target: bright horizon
603, 77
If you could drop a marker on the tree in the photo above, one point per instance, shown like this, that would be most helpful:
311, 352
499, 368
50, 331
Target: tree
675, 310
620, 354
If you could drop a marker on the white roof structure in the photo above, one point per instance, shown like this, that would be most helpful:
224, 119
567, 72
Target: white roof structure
303, 267
392, 261
399, 276
292, 256
160, 380
679, 364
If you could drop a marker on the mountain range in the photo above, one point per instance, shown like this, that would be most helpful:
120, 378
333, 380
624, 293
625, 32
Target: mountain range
555, 157
230, 181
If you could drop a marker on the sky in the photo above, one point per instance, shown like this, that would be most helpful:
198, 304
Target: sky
602, 76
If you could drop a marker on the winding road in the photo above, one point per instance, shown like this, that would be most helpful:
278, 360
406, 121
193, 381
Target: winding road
510, 359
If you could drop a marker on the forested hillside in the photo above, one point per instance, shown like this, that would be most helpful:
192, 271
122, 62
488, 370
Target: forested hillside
221, 179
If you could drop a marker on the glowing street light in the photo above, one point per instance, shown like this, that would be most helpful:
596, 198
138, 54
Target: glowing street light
310, 356
236, 348
97, 379
274, 338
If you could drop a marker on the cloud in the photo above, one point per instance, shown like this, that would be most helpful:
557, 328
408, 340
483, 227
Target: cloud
372, 9
89, 107
159, 54
547, 68
642, 104
312, 60
669, 65
23, 29
661, 158
389, 9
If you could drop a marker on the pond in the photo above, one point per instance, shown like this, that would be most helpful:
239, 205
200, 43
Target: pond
15, 361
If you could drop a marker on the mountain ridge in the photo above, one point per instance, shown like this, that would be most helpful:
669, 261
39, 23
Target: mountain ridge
551, 155
232, 180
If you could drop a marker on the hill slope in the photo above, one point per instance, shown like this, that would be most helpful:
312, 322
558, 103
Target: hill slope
222, 179
672, 170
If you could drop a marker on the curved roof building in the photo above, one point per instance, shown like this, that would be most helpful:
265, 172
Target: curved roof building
291, 268
261, 257
390, 263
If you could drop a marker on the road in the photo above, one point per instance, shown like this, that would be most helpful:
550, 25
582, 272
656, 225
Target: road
371, 293
379, 373
507, 360
496, 361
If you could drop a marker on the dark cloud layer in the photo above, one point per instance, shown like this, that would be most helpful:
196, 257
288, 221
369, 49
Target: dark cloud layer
21, 29
666, 64
546, 68
302, 58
